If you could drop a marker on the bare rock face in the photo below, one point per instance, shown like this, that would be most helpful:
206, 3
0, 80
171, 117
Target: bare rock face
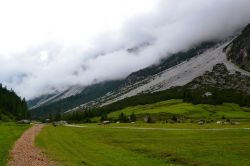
220, 78
239, 50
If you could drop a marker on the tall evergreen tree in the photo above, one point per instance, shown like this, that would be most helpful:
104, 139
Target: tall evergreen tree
122, 118
132, 117
12, 105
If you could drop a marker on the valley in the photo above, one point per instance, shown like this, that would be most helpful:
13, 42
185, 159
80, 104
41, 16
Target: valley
159, 142
125, 83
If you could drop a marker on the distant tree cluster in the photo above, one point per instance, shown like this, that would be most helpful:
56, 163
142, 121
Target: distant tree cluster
87, 115
79, 116
11, 105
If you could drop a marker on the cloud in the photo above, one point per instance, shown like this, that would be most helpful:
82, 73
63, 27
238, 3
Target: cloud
171, 26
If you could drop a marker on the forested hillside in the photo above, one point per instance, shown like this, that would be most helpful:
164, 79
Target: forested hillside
12, 107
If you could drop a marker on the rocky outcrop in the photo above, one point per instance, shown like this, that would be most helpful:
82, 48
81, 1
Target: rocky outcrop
239, 50
221, 78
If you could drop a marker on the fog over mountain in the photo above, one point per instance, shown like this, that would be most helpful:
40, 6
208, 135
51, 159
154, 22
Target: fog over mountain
55, 50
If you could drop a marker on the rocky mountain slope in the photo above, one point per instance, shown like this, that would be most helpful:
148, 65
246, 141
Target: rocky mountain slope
212, 64
178, 75
213, 87
62, 101
222, 78
239, 50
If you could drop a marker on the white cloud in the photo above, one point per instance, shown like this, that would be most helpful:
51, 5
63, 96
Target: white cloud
68, 22
53, 44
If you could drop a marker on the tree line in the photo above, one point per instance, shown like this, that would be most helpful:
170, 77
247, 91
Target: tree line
196, 96
12, 107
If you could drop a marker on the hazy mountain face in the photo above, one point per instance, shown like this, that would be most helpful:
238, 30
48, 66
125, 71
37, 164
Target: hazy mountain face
167, 26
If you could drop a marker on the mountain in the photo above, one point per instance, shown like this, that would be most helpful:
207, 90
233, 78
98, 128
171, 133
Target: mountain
201, 65
239, 50
55, 105
60, 102
208, 73
12, 107
213, 87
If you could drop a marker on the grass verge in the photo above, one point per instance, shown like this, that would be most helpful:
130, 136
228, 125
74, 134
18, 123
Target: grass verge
9, 133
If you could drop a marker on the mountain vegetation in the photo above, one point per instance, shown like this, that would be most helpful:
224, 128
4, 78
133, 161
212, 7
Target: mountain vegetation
12, 107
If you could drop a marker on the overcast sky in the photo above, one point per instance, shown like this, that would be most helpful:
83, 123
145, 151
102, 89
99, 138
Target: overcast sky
48, 45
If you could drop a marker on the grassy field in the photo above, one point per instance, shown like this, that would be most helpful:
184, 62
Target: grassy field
100, 145
132, 144
166, 109
9, 133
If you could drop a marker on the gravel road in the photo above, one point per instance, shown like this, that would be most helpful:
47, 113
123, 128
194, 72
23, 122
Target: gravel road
163, 129
24, 153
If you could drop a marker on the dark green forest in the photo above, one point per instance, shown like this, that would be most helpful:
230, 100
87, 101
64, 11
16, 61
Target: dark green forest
12, 107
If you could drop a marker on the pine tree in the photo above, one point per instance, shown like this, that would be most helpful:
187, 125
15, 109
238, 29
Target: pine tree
58, 117
122, 118
132, 117
12, 105
149, 119
104, 117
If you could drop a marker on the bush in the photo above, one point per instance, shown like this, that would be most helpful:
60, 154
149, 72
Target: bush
174, 118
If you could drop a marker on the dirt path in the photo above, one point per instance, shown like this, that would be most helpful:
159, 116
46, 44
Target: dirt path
164, 129
24, 153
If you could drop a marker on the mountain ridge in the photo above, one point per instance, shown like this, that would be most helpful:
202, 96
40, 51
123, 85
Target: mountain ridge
176, 70
133, 78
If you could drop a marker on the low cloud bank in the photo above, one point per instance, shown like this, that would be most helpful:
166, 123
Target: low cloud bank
173, 26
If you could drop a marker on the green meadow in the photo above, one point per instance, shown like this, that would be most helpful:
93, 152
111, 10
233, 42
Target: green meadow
9, 133
163, 110
160, 143
101, 145
147, 144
